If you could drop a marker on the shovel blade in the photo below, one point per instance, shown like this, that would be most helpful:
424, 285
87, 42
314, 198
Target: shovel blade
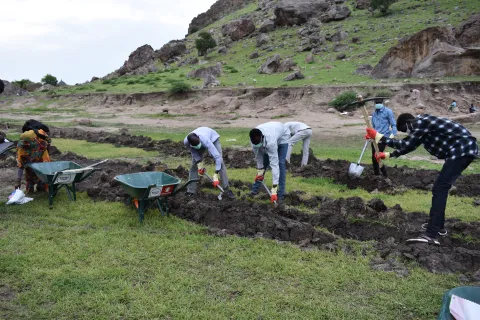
355, 170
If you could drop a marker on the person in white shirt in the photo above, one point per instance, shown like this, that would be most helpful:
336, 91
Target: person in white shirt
415, 94
299, 132
197, 142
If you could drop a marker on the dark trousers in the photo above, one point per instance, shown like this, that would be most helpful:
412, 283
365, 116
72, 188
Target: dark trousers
450, 172
376, 167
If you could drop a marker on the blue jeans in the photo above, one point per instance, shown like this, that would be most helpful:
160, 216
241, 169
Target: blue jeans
450, 172
282, 155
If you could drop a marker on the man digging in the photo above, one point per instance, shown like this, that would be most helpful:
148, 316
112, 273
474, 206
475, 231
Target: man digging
444, 139
383, 122
299, 132
197, 142
270, 146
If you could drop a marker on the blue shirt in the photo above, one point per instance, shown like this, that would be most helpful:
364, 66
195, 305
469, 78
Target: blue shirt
382, 120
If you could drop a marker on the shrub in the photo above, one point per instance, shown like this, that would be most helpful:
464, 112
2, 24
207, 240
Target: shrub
22, 83
101, 90
107, 81
383, 93
233, 70
381, 5
49, 79
343, 99
179, 87
130, 82
204, 42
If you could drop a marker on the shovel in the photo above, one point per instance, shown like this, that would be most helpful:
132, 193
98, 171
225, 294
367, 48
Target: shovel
219, 187
355, 170
266, 188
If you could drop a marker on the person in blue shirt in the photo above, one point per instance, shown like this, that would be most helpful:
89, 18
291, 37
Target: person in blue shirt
383, 121
453, 106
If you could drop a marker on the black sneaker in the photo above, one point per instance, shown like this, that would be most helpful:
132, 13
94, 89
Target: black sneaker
442, 232
229, 194
424, 239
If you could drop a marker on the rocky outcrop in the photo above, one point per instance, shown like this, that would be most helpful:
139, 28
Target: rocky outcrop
238, 29
10, 89
217, 11
33, 86
139, 61
275, 64
433, 52
204, 73
171, 49
267, 26
298, 12
294, 76
468, 33
262, 39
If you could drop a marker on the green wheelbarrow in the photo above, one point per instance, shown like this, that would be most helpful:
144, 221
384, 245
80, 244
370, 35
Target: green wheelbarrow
469, 293
150, 188
59, 174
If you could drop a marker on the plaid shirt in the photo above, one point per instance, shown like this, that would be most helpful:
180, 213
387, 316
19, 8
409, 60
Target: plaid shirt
442, 137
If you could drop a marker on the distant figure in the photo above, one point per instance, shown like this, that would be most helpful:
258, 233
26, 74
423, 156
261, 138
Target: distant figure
453, 106
472, 108
415, 94
383, 121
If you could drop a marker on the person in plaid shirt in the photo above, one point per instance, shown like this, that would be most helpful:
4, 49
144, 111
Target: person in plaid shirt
443, 138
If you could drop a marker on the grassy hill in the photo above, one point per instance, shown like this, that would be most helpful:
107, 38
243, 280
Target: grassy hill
376, 33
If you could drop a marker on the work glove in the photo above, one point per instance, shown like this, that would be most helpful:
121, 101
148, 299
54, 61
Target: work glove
274, 197
373, 134
201, 171
259, 176
18, 183
215, 180
391, 136
382, 156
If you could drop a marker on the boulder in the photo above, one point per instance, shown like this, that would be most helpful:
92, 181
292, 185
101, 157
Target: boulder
10, 89
188, 61
222, 50
171, 49
364, 70
33, 86
142, 56
335, 13
85, 122
341, 56
267, 26
309, 58
340, 35
238, 29
210, 81
340, 47
253, 55
262, 39
294, 76
298, 12
432, 52
204, 73
331, 110
286, 65
362, 4
94, 79
468, 33
45, 87
271, 65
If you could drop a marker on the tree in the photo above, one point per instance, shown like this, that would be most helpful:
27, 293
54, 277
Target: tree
381, 5
204, 42
22, 84
49, 79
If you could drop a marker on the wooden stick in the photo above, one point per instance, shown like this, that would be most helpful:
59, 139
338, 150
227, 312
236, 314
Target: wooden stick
369, 125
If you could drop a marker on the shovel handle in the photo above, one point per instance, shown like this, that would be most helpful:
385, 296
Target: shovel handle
369, 125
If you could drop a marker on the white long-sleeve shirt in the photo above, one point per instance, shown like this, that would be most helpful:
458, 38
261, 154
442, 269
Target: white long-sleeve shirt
207, 138
294, 127
274, 133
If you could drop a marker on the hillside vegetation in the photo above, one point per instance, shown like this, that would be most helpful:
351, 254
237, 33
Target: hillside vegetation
374, 34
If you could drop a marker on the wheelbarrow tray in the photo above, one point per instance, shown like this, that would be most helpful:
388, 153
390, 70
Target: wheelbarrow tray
148, 185
6, 146
466, 292
47, 172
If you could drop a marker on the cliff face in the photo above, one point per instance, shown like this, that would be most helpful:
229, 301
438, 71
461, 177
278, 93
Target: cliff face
217, 11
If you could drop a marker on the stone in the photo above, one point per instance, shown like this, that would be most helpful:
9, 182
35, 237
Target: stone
340, 47
355, 40
364, 69
267, 26
45, 87
339, 36
238, 29
335, 13
85, 122
253, 55
294, 76
139, 59
286, 65
331, 110
205, 72
309, 58
341, 56
298, 12
94, 79
33, 86
436, 91
262, 39
222, 50
171, 49
362, 4
314, 23
476, 203
476, 275
210, 81
271, 65
10, 89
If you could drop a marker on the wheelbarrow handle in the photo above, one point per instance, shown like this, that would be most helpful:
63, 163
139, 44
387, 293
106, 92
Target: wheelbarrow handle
184, 186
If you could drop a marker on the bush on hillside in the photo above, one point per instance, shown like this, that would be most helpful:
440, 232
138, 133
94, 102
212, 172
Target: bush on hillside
383, 93
49, 79
22, 83
343, 99
381, 5
204, 42
179, 87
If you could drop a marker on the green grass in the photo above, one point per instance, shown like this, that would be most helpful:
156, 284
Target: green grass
100, 150
375, 32
88, 260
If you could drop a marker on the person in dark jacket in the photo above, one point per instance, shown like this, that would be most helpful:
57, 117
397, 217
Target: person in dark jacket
443, 138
